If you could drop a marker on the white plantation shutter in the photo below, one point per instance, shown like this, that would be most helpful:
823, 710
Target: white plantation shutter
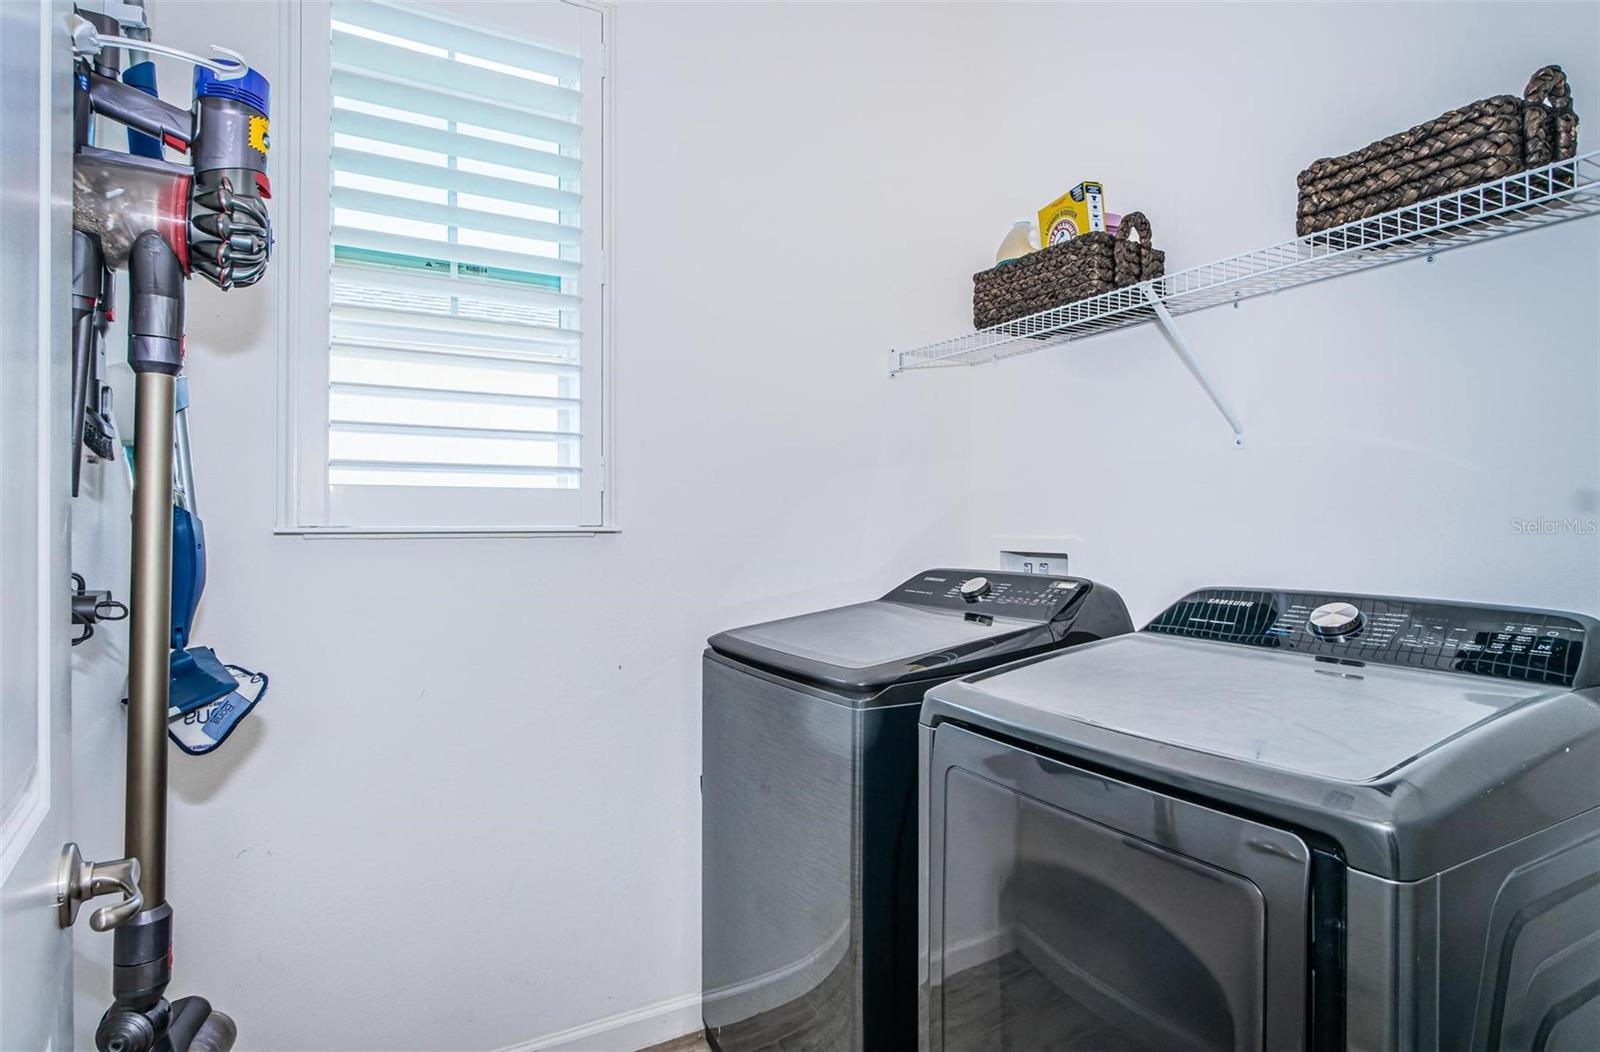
462, 383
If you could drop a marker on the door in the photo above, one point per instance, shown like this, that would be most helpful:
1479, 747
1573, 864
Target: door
35, 195
1068, 910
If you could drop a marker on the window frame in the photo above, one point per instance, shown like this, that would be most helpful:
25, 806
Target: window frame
303, 220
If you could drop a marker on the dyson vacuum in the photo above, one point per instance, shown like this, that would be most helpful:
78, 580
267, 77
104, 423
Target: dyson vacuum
163, 222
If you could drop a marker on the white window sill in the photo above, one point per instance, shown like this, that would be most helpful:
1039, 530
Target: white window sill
409, 532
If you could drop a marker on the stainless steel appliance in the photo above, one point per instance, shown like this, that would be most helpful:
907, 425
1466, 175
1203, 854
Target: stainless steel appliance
1271, 820
810, 748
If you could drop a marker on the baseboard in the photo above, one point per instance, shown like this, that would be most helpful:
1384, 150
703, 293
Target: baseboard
665, 1020
625, 1032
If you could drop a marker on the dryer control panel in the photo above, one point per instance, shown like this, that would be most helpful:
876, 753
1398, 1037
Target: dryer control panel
1540, 646
991, 593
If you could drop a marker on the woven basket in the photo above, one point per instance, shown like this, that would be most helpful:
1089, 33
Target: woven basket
1071, 270
1488, 140
1135, 261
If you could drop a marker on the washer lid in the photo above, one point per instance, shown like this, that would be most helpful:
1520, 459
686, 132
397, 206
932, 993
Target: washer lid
867, 645
1409, 771
868, 634
1290, 713
941, 622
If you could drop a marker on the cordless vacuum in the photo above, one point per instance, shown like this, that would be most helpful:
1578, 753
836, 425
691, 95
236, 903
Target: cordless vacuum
162, 221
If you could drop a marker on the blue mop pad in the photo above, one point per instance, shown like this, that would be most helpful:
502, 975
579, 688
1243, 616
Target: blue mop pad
208, 699
200, 730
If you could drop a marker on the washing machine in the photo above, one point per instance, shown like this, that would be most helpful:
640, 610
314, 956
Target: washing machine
809, 790
1270, 820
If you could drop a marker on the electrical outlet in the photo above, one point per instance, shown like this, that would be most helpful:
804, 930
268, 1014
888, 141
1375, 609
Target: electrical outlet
1034, 562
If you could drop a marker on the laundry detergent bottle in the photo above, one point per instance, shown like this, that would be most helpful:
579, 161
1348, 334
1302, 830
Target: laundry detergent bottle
1018, 242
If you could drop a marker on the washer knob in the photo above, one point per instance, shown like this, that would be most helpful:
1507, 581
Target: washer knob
1335, 621
973, 587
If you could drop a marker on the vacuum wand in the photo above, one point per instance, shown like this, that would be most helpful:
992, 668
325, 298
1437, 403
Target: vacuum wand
155, 352
227, 241
141, 952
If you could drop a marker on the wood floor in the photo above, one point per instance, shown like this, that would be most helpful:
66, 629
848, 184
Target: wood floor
1003, 1005
687, 1043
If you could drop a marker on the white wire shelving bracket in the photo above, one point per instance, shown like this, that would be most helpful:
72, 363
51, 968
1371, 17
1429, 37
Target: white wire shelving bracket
1536, 198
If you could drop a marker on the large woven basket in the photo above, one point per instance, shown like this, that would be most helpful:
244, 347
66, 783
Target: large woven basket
1488, 140
1071, 270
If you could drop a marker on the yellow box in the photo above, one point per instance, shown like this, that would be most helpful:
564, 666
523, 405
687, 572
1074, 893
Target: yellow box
1080, 210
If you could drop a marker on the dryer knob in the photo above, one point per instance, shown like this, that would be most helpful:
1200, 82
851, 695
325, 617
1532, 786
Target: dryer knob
973, 587
1335, 621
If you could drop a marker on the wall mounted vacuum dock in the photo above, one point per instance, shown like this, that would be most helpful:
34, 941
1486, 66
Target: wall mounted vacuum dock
1271, 819
808, 796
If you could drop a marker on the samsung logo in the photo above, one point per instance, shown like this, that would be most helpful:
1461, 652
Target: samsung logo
937, 580
1231, 602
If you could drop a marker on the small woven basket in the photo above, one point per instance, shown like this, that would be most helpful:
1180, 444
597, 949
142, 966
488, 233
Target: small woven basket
1063, 273
1487, 140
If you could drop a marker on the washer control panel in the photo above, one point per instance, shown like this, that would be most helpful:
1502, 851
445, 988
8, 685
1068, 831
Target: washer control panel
990, 593
1540, 646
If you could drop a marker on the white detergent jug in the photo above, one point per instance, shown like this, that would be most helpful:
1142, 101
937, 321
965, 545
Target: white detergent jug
1019, 241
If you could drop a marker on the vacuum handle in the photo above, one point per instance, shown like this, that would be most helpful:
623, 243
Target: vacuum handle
146, 113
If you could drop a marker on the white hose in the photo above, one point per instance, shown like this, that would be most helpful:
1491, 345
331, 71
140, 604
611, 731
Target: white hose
86, 41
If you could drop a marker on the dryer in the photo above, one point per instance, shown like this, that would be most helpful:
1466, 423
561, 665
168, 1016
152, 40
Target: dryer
808, 796
1270, 820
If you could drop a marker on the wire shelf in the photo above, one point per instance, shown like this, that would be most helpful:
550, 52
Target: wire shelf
1538, 197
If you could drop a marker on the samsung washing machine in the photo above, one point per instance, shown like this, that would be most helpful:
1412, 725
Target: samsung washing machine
809, 790
1270, 820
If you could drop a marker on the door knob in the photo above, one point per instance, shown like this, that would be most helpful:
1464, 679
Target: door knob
81, 881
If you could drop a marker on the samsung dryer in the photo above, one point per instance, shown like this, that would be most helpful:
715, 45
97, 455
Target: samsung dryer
808, 797
1271, 820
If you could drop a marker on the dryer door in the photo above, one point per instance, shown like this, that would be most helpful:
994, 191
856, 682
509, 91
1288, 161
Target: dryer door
1067, 910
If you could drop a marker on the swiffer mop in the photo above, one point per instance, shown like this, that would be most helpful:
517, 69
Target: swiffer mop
205, 699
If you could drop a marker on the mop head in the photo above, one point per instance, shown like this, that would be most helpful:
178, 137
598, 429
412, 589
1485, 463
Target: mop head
204, 726
207, 699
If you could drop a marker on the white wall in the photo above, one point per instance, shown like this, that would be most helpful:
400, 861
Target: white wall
1397, 422
466, 814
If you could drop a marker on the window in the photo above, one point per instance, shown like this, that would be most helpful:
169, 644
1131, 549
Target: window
446, 364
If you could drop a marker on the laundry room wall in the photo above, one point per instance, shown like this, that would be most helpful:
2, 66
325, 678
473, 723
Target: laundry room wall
1413, 430
467, 817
